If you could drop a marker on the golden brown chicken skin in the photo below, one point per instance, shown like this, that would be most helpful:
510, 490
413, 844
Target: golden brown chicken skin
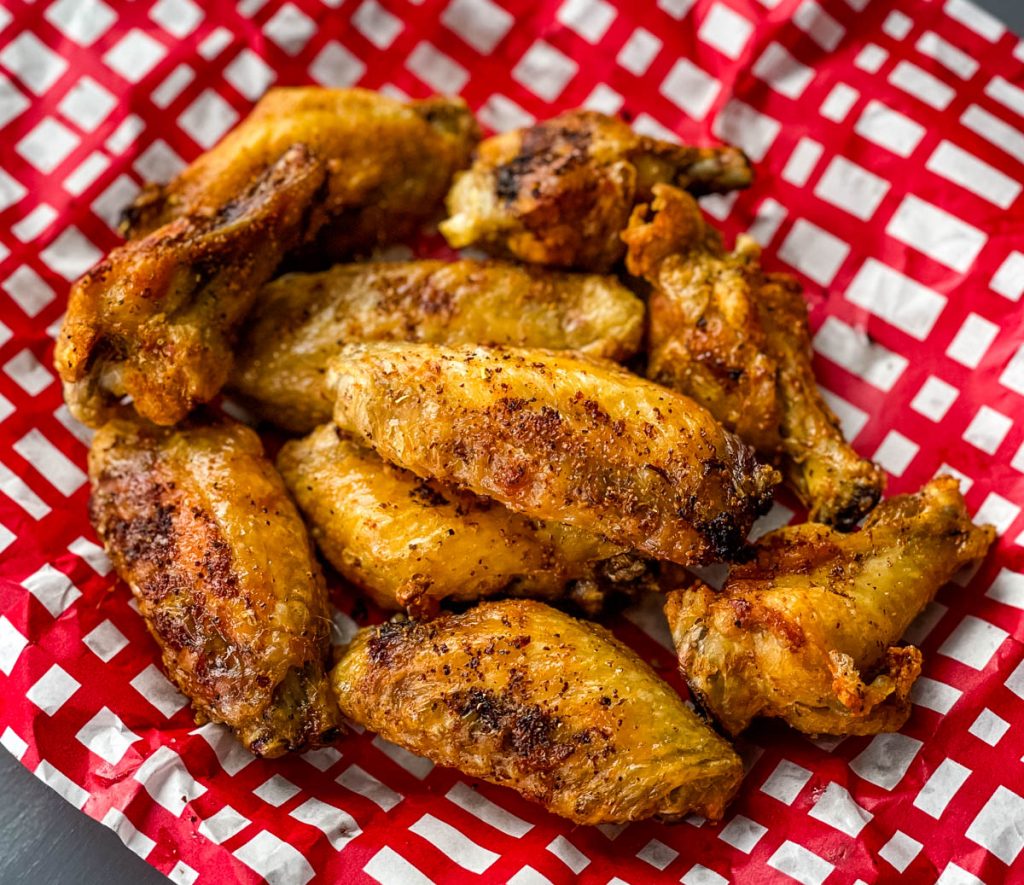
156, 319
805, 632
560, 192
300, 320
411, 543
388, 164
199, 524
328, 171
736, 340
524, 696
557, 436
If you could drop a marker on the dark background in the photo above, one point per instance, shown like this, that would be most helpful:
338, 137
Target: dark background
44, 840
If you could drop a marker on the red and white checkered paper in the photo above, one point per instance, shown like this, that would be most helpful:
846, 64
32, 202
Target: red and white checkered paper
890, 145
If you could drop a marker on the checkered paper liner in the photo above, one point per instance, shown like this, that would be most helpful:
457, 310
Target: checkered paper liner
890, 151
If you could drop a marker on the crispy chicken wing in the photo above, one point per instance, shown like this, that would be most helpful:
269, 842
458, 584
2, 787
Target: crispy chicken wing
557, 436
388, 164
736, 340
156, 320
522, 695
805, 631
411, 543
200, 525
300, 320
560, 192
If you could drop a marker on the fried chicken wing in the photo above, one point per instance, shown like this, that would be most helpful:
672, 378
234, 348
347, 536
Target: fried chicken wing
327, 170
558, 436
300, 320
522, 695
200, 525
155, 319
560, 192
805, 631
736, 340
411, 543
388, 164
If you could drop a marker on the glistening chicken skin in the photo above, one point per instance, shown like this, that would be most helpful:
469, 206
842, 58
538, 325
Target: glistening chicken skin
806, 631
411, 543
559, 192
736, 339
300, 321
522, 695
558, 436
314, 171
198, 523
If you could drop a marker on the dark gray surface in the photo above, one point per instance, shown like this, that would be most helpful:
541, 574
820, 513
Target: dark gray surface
44, 840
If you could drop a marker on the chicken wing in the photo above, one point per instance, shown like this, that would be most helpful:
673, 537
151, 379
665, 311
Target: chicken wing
805, 631
736, 340
155, 320
300, 320
522, 695
200, 525
388, 164
560, 192
557, 436
411, 543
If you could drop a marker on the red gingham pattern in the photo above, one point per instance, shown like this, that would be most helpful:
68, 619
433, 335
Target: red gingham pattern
891, 149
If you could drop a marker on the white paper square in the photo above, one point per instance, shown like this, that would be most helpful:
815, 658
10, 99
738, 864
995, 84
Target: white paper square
725, 30
973, 642
988, 429
999, 826
53, 689
107, 736
481, 23
544, 70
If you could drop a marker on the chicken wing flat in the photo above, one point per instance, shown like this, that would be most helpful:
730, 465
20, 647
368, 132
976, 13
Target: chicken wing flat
411, 543
200, 525
300, 320
557, 436
388, 164
805, 631
326, 170
522, 695
736, 340
560, 192
155, 319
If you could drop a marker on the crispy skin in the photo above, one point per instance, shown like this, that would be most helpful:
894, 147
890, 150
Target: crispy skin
300, 320
560, 192
388, 164
411, 543
522, 695
328, 171
557, 436
199, 524
736, 340
155, 319
805, 631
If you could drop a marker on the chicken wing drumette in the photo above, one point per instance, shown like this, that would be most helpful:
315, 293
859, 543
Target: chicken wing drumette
156, 320
558, 436
736, 340
200, 525
412, 543
805, 631
525, 696
301, 320
560, 192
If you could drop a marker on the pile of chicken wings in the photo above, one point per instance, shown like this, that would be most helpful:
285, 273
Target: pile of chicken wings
497, 450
